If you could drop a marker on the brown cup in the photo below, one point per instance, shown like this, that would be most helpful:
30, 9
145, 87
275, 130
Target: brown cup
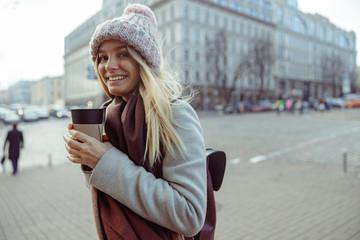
89, 121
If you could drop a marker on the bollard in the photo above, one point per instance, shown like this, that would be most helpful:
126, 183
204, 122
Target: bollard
345, 160
49, 160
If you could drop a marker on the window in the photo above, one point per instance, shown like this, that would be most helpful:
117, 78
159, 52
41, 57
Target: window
298, 25
197, 14
233, 25
279, 15
186, 55
186, 75
225, 22
344, 42
207, 17
241, 28
256, 32
249, 30
172, 13
240, 7
216, 20
172, 35
330, 35
255, 13
186, 34
266, 4
321, 32
233, 5
197, 35
186, 11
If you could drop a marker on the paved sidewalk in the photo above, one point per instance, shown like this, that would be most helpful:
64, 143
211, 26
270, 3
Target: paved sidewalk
257, 201
45, 203
277, 201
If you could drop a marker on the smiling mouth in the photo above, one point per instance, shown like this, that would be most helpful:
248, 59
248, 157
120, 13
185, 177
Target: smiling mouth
116, 78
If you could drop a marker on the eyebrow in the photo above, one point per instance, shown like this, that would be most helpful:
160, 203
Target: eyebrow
116, 48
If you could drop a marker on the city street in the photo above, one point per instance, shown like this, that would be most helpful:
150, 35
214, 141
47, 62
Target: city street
284, 179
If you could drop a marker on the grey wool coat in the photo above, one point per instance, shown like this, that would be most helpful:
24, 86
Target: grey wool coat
178, 200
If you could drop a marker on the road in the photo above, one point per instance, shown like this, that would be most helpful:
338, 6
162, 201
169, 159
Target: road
318, 138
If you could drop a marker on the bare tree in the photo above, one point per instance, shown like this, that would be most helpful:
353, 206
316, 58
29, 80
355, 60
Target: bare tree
256, 63
353, 75
332, 67
261, 59
217, 64
216, 53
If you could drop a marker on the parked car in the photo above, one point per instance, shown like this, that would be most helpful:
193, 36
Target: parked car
60, 112
3, 111
43, 112
352, 100
335, 102
239, 107
243, 106
9, 116
30, 115
263, 106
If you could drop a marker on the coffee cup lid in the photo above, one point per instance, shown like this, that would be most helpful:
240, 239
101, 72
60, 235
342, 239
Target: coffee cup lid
88, 116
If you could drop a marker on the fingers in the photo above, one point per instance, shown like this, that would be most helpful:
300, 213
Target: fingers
82, 137
74, 159
71, 143
70, 126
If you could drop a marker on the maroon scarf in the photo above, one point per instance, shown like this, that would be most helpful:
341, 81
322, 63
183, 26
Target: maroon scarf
126, 128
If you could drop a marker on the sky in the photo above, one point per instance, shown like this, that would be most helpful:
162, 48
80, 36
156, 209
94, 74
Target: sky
32, 36
33, 32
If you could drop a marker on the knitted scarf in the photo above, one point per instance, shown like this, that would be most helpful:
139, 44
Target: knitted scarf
126, 128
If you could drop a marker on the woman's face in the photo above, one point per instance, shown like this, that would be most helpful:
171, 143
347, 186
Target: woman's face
117, 69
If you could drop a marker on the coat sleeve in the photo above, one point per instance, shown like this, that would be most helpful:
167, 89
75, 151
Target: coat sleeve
178, 201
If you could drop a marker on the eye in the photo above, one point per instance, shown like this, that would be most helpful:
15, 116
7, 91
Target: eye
102, 58
124, 55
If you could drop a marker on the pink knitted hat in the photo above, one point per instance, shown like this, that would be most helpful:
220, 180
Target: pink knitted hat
137, 27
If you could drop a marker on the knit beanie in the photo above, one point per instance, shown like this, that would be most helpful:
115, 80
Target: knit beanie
137, 27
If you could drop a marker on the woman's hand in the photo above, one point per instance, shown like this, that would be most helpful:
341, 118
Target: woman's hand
84, 149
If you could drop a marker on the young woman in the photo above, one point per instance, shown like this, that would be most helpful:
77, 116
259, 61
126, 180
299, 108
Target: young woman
148, 180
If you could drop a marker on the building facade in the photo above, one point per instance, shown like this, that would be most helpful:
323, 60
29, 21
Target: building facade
48, 91
20, 93
303, 42
299, 41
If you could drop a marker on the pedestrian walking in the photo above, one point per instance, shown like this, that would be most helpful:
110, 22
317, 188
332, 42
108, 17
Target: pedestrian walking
280, 105
16, 141
289, 105
148, 181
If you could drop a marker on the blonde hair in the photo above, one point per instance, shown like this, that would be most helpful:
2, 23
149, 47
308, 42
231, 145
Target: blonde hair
158, 92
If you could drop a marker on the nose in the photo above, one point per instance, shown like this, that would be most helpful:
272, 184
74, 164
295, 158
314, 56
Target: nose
111, 64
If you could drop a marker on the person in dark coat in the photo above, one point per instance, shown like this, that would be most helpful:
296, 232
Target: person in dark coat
16, 141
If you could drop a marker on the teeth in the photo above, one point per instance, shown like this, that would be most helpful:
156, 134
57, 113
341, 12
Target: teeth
116, 78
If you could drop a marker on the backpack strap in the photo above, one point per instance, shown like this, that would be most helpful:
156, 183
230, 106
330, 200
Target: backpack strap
216, 163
